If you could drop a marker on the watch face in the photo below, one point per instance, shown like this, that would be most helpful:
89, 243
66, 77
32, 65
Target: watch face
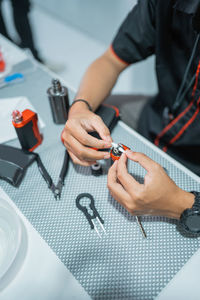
193, 222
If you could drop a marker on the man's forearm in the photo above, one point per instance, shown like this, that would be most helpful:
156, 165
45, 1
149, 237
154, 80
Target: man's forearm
99, 80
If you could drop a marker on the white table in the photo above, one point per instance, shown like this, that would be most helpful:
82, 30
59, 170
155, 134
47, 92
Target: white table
42, 275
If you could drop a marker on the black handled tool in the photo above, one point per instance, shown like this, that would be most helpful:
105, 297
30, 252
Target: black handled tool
56, 189
60, 184
90, 217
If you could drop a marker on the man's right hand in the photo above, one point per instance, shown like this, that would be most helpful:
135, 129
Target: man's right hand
77, 139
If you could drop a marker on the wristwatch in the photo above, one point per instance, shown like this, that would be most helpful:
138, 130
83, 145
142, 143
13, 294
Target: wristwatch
190, 218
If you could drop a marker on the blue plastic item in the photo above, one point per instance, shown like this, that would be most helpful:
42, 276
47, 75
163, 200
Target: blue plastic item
10, 79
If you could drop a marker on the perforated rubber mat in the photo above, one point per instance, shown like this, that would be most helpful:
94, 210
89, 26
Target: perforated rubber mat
121, 264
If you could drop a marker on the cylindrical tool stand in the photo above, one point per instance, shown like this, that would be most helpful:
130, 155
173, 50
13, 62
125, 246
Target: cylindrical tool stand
59, 102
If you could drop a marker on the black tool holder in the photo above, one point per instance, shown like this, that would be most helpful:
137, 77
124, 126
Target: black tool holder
92, 207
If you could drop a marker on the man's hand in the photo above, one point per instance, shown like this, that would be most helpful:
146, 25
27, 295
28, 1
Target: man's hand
158, 195
95, 86
77, 140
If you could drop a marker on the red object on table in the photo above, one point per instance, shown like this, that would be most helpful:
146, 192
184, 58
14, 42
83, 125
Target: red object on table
2, 63
26, 126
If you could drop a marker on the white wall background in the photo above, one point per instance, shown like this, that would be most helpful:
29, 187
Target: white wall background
98, 18
73, 33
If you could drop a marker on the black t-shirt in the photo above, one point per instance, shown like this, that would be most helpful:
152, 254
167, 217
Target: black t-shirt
164, 28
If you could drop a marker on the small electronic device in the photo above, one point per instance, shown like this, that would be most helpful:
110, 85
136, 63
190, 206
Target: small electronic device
26, 126
109, 115
117, 150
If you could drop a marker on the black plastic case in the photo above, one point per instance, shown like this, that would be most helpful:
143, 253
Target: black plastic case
13, 164
109, 115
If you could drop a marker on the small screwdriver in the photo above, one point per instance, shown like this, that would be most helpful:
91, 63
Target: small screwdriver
119, 149
141, 227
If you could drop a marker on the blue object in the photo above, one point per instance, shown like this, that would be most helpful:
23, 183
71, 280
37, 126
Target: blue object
10, 79
13, 77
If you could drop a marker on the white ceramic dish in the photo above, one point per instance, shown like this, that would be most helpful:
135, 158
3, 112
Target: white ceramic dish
10, 237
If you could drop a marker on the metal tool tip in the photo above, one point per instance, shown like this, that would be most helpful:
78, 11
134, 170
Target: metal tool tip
114, 145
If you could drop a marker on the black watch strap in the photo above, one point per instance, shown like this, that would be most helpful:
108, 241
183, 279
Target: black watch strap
190, 218
196, 199
84, 101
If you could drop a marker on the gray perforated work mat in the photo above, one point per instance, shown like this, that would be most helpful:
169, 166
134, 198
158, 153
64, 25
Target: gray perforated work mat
122, 264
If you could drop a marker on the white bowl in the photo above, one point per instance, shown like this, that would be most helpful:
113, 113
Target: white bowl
10, 236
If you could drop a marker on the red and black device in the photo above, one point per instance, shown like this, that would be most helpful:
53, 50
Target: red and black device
117, 150
26, 126
109, 115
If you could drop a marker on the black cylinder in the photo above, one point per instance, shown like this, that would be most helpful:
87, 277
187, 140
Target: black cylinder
96, 169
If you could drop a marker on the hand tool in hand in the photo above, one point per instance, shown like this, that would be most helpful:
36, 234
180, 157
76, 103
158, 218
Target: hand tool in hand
90, 217
116, 150
115, 153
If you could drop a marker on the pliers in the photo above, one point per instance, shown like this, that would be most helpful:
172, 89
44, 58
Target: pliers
56, 189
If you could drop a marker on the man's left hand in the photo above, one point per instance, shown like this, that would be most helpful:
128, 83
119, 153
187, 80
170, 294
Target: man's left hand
158, 195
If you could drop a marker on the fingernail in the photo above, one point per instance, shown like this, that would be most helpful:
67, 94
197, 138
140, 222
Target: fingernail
107, 156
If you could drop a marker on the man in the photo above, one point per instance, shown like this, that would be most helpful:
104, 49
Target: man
167, 29
20, 12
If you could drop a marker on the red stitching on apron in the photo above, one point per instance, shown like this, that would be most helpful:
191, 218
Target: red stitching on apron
173, 122
178, 135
